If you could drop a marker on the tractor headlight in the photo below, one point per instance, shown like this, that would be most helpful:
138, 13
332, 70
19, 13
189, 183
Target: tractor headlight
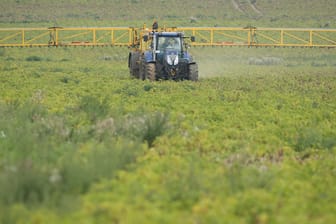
172, 59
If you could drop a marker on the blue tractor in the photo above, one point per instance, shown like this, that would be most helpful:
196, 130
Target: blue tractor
165, 58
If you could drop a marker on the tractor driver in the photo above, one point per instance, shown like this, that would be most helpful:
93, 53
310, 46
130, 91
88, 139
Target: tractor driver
170, 42
173, 43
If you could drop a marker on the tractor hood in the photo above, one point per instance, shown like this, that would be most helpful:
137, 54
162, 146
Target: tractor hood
172, 57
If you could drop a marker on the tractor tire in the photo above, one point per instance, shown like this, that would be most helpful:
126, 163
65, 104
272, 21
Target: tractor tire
133, 64
142, 70
150, 71
193, 72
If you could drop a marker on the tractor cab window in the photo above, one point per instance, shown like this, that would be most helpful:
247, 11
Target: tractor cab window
172, 43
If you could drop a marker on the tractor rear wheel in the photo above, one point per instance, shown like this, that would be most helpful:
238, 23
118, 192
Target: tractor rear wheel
133, 64
193, 72
142, 70
150, 71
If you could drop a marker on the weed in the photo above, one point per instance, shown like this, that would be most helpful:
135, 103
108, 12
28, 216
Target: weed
93, 107
65, 79
2, 52
154, 126
34, 58
313, 138
148, 87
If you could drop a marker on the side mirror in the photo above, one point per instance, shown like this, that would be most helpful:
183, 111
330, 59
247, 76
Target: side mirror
192, 38
145, 38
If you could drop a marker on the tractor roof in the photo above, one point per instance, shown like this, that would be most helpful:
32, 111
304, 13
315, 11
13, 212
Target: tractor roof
170, 34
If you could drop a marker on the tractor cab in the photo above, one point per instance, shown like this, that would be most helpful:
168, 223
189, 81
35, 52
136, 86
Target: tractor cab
168, 48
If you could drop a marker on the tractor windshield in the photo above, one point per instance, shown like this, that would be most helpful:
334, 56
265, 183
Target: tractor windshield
172, 43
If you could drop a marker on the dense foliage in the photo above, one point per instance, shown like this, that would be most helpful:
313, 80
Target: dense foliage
82, 142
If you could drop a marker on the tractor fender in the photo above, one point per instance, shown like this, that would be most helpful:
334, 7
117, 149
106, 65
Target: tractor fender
148, 57
188, 57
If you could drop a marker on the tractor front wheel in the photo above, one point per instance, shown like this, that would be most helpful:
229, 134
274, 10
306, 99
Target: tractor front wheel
150, 71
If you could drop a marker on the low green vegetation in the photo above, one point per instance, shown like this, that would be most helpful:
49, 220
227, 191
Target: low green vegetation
252, 142
236, 13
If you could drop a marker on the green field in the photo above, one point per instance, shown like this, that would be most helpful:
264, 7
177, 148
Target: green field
253, 141
262, 13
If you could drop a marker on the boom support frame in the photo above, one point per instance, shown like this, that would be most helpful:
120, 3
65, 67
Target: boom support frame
131, 37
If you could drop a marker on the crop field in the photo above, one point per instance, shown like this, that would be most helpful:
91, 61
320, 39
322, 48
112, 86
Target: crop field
253, 141
259, 13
